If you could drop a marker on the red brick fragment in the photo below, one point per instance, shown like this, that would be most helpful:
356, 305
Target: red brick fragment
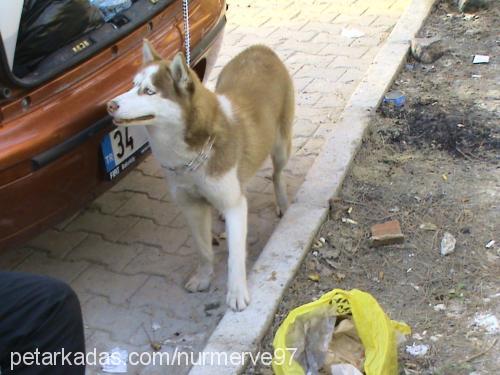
387, 233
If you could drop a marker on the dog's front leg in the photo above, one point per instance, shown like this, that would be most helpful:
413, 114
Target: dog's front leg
236, 228
198, 215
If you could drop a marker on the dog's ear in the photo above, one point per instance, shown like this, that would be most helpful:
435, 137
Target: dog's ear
148, 52
180, 72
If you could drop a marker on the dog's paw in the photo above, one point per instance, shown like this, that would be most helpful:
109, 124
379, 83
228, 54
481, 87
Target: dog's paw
199, 281
238, 298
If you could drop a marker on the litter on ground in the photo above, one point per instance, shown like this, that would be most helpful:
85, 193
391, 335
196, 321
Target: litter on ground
349, 221
116, 361
488, 322
481, 59
326, 334
490, 244
439, 307
428, 226
448, 244
417, 350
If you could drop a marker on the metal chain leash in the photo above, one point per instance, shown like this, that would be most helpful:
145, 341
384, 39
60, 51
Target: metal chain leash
187, 33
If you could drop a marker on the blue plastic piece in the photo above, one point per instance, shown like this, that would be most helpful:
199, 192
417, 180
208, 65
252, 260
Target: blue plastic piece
396, 98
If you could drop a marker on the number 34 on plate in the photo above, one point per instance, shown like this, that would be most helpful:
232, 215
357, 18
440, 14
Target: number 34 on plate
121, 147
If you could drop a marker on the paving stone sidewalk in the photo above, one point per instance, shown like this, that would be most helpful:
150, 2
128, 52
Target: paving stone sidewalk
129, 253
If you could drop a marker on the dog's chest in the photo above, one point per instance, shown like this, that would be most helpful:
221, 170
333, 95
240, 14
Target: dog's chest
220, 191
188, 182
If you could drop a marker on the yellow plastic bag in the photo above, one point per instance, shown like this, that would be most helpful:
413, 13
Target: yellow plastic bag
377, 332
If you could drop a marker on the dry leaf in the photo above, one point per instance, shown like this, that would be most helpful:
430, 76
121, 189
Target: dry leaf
339, 276
155, 345
428, 226
314, 277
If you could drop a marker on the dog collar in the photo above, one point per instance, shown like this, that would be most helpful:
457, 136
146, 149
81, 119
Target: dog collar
197, 161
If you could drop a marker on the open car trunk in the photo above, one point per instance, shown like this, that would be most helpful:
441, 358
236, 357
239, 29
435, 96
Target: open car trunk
79, 47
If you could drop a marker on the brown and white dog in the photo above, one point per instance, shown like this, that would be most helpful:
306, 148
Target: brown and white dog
211, 143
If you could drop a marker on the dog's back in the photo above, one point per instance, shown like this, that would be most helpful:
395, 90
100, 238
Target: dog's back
261, 92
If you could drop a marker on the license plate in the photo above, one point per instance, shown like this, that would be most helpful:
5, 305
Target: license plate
121, 148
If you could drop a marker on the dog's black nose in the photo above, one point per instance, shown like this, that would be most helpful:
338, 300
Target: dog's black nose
112, 107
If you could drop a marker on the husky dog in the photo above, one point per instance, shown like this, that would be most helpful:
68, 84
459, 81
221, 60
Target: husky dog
211, 143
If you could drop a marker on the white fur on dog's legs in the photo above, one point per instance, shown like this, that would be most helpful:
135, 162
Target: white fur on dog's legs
280, 155
236, 228
199, 218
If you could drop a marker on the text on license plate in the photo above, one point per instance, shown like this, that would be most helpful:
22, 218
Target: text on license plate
121, 147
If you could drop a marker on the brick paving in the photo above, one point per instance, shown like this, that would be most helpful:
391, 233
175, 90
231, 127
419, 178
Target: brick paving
129, 253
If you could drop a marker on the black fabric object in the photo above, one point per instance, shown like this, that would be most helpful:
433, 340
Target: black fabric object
47, 25
38, 312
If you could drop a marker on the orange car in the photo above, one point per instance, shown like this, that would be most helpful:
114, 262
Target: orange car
58, 148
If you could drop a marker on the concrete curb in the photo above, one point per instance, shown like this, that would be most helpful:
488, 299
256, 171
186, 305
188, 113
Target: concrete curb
282, 255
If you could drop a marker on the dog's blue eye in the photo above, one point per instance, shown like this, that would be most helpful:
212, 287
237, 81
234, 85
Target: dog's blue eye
148, 91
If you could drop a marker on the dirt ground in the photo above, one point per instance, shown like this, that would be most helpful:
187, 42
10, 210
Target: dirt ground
433, 163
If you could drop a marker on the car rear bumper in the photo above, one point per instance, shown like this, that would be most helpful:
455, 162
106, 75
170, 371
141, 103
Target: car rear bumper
48, 194
56, 181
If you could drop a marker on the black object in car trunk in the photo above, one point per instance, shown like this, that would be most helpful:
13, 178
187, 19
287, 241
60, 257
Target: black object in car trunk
47, 25
81, 48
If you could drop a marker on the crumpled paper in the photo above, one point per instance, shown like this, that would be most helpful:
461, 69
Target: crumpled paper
345, 346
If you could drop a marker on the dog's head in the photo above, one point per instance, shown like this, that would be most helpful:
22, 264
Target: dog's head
161, 94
